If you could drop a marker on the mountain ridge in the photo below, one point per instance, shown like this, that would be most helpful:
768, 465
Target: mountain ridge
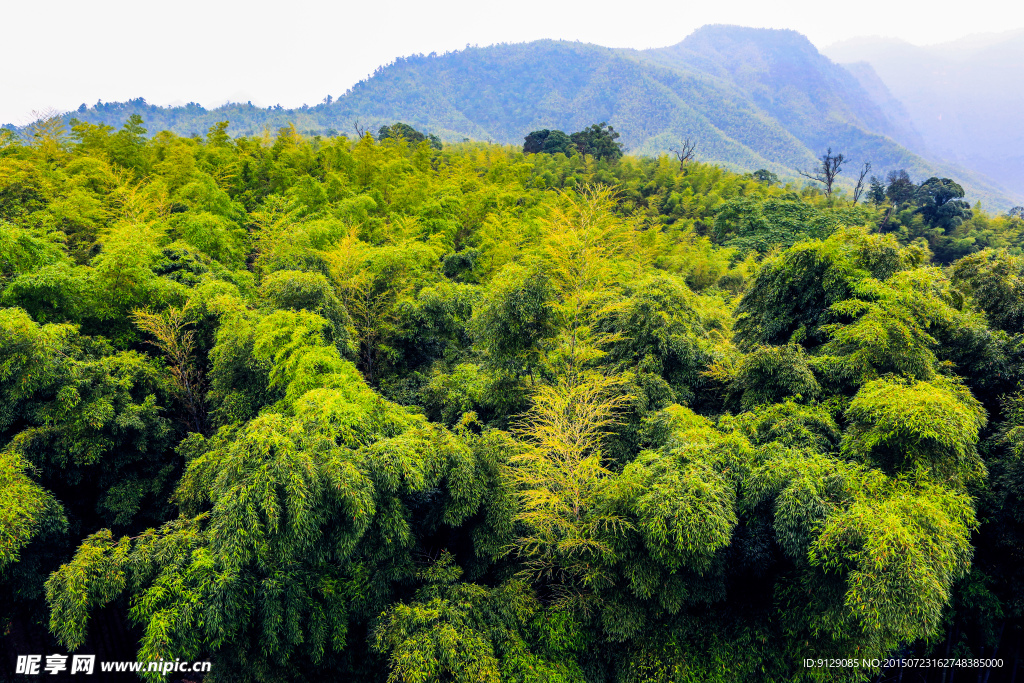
751, 98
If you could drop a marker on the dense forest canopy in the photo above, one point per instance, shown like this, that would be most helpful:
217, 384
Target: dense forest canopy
318, 408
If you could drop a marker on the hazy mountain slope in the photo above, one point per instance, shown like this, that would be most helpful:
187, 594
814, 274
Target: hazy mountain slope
906, 132
964, 97
786, 77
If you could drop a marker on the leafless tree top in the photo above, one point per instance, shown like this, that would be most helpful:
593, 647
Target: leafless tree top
686, 153
826, 172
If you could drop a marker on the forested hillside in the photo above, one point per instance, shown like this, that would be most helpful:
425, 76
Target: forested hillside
345, 409
750, 98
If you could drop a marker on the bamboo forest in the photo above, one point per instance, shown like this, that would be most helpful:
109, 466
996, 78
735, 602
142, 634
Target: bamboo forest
374, 408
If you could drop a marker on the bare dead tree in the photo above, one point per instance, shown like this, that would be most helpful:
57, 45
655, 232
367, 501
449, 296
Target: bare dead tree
826, 174
860, 182
686, 154
885, 219
360, 131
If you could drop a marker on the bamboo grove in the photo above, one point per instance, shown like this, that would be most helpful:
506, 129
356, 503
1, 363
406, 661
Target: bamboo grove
348, 409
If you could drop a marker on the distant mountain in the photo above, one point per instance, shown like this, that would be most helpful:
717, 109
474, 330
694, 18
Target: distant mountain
750, 98
503, 92
964, 97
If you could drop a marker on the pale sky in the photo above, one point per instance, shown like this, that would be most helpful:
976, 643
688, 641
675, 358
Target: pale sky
60, 53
